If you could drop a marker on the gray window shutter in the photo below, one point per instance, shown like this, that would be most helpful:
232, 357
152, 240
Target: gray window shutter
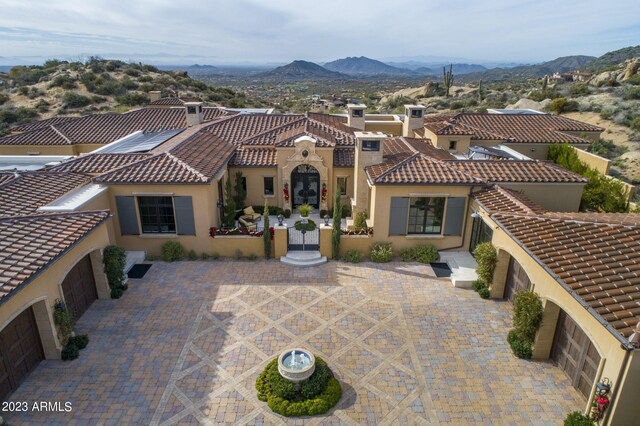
398, 216
127, 215
454, 216
184, 216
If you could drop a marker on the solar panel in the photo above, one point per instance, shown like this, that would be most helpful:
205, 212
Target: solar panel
139, 142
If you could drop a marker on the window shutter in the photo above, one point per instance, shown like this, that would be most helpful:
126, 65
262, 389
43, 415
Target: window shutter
184, 216
398, 216
454, 216
127, 215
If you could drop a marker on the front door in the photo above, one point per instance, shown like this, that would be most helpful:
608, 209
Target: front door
305, 183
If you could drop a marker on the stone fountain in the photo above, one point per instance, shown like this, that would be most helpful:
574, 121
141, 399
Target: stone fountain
296, 364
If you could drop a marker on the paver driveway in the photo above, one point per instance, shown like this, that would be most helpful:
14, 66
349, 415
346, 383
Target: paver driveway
185, 344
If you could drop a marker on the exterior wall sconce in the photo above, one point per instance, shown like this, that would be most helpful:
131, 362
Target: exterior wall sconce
601, 401
326, 220
219, 204
475, 215
280, 220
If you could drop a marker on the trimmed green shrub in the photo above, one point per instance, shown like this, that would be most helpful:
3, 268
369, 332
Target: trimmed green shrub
481, 288
578, 419
424, 253
114, 259
70, 352
520, 347
205, 256
64, 319
381, 252
229, 216
116, 293
336, 225
527, 317
304, 210
172, 250
486, 257
240, 192
266, 234
215, 255
353, 256
286, 213
316, 396
192, 255
360, 221
309, 226
81, 341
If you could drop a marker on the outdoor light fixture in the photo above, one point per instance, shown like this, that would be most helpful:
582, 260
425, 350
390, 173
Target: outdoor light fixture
219, 203
326, 220
280, 219
475, 215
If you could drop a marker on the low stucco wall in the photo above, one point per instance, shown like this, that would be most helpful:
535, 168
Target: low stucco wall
359, 243
237, 246
47, 287
594, 161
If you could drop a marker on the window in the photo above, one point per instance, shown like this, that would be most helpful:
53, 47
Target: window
357, 113
191, 110
268, 185
416, 113
342, 185
425, 215
368, 145
243, 181
453, 145
156, 215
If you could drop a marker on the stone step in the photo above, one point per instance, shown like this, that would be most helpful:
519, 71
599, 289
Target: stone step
303, 258
133, 257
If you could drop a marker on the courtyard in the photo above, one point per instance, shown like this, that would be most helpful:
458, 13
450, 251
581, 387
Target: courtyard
185, 344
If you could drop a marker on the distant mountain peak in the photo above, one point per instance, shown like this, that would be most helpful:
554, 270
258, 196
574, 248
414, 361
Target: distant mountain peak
362, 65
300, 70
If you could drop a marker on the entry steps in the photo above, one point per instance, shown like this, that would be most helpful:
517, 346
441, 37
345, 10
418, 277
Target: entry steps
463, 267
133, 257
303, 258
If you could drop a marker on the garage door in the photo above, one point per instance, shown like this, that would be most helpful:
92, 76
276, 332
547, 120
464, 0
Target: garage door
575, 354
517, 280
79, 287
20, 351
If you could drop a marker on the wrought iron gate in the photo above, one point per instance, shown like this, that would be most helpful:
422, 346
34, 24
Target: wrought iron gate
303, 240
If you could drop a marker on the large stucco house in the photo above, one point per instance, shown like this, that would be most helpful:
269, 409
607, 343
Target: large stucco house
157, 174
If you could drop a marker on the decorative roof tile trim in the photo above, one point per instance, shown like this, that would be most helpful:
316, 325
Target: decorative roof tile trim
597, 263
30, 244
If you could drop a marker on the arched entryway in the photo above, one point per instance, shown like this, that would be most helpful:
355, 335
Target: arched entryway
305, 186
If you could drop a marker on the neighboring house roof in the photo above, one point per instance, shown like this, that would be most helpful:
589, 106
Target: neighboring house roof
514, 128
98, 163
496, 199
108, 127
195, 160
597, 258
22, 195
174, 101
29, 244
525, 171
39, 124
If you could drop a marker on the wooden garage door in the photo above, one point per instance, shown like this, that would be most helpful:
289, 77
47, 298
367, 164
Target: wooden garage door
517, 280
575, 354
79, 287
20, 351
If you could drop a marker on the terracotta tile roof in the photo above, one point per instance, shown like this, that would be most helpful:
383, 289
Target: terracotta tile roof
272, 136
496, 199
24, 194
195, 160
174, 101
6, 177
515, 128
106, 128
494, 171
237, 128
254, 157
39, 124
596, 258
30, 244
419, 169
344, 157
425, 147
98, 163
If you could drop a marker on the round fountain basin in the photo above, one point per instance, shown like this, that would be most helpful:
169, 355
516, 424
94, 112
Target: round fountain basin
296, 364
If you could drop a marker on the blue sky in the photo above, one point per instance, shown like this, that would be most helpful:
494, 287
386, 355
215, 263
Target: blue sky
233, 31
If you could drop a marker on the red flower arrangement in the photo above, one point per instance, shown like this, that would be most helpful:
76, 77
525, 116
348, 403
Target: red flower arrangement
324, 192
361, 231
285, 191
213, 231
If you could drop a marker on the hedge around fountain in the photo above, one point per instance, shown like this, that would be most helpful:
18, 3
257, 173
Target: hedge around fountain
317, 395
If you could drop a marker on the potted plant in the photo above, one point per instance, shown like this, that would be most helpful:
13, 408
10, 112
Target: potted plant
304, 210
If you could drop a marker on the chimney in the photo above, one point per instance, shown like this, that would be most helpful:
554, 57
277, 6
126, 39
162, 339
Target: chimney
155, 95
413, 119
194, 113
369, 146
356, 116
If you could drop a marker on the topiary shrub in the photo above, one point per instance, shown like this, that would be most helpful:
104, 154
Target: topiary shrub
304, 210
353, 256
114, 259
425, 253
69, 352
172, 250
527, 317
286, 213
481, 288
381, 252
360, 221
486, 257
578, 419
315, 396
309, 226
520, 347
116, 293
81, 341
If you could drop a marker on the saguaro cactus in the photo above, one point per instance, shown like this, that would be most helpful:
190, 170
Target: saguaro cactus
448, 79
545, 83
480, 90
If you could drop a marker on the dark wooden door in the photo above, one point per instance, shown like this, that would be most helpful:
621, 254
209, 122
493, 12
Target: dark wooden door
575, 354
79, 287
20, 351
517, 280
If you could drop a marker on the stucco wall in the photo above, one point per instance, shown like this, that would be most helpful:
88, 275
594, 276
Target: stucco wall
389, 127
236, 246
381, 202
47, 287
204, 199
594, 161
255, 184
536, 151
556, 197
37, 150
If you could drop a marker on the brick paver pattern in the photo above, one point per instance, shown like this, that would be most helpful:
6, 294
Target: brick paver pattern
185, 344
